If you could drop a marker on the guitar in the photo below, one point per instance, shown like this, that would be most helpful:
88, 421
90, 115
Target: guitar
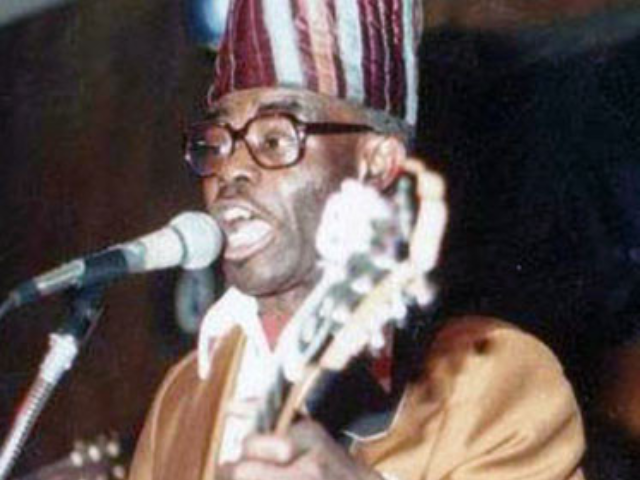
99, 459
366, 286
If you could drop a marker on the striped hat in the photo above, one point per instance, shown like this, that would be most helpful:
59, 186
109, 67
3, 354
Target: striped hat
360, 50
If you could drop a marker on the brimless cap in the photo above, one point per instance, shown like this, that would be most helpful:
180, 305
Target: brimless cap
359, 50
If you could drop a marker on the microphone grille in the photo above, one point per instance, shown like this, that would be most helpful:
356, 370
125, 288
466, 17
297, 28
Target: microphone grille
202, 237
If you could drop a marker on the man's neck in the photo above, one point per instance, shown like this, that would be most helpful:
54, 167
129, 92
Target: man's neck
275, 311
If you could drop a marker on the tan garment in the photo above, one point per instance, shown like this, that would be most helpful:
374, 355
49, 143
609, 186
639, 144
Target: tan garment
492, 403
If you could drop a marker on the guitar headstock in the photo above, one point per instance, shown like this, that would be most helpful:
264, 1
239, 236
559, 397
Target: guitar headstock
357, 244
367, 281
375, 254
358, 225
404, 282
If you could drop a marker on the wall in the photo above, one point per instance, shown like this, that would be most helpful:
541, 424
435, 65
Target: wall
92, 100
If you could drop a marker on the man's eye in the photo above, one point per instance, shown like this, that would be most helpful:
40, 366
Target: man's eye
276, 142
215, 149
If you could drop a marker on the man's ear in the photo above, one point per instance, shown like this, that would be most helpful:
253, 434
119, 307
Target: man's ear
379, 159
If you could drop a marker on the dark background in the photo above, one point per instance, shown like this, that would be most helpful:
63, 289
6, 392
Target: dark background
537, 131
93, 97
540, 143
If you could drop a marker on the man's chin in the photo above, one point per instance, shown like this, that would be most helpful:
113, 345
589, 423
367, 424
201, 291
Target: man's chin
251, 280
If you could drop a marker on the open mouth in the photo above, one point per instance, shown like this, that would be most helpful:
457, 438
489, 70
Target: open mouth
247, 233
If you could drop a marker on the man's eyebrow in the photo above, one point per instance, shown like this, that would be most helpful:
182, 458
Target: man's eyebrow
287, 105
216, 113
290, 105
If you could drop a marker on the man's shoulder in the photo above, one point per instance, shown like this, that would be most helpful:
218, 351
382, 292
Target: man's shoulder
491, 401
484, 336
470, 355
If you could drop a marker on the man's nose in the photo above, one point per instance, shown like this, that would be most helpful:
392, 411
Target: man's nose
239, 171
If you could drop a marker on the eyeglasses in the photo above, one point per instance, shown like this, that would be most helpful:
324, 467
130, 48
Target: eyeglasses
274, 140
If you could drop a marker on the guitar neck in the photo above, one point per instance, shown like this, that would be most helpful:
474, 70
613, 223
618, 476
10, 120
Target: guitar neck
266, 417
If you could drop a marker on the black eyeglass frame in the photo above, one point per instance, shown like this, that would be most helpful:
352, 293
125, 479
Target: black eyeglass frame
303, 130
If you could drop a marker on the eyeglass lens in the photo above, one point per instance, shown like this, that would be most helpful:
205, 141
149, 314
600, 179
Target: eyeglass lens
273, 142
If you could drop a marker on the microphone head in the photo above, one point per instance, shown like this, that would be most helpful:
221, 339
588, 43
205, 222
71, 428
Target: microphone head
201, 236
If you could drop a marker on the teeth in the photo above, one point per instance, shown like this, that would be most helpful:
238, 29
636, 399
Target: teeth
237, 213
249, 233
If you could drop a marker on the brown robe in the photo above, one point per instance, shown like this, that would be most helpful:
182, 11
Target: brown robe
491, 403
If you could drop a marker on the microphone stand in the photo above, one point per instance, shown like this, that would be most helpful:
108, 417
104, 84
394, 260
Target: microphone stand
64, 345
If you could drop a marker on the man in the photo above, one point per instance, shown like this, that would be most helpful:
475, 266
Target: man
307, 94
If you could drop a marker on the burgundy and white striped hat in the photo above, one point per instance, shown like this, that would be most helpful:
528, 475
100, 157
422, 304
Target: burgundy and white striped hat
360, 50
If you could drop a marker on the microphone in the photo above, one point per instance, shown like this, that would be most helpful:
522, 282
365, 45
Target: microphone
191, 240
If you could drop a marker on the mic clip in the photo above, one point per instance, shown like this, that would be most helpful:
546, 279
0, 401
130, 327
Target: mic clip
85, 309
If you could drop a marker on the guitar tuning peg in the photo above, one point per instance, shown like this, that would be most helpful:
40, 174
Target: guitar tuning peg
383, 262
119, 472
421, 291
94, 453
309, 329
327, 307
341, 314
402, 322
76, 458
377, 341
398, 309
113, 448
362, 285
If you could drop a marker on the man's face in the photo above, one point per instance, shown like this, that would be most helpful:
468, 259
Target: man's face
270, 217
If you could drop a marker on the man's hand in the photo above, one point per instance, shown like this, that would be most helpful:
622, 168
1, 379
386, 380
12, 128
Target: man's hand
306, 453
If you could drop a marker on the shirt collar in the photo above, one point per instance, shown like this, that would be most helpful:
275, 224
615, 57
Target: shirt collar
237, 309
234, 309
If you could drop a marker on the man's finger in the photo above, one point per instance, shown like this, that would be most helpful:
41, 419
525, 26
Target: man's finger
254, 470
269, 448
307, 435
